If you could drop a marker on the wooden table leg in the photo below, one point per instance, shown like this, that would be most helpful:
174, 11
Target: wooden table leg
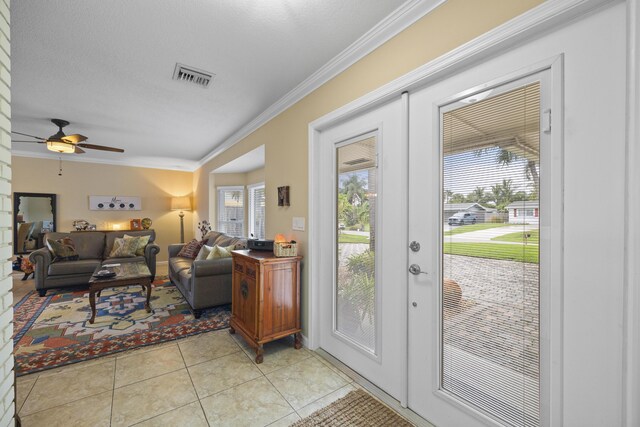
92, 303
259, 353
297, 343
147, 305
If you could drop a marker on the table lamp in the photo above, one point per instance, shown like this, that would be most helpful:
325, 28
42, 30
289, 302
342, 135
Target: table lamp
181, 204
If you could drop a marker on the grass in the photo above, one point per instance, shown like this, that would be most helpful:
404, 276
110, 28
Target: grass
352, 238
494, 251
473, 227
534, 237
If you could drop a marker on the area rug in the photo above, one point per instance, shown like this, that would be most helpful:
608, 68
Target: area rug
356, 409
55, 330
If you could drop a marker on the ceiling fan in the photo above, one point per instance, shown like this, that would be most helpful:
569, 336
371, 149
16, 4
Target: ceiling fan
61, 143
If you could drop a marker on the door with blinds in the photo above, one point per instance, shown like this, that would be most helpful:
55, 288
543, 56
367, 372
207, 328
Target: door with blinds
478, 183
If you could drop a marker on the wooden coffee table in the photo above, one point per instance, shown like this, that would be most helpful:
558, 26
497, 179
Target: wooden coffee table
127, 274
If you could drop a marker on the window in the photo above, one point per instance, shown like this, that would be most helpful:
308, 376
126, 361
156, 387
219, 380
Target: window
256, 211
231, 210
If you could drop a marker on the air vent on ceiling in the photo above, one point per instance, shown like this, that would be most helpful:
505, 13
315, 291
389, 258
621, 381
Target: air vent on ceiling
192, 75
356, 161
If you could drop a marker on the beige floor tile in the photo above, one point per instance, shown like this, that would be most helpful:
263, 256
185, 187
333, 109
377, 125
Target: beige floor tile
146, 399
65, 387
190, 415
255, 403
324, 401
203, 347
286, 421
141, 366
334, 368
145, 349
222, 373
305, 382
23, 388
80, 365
92, 411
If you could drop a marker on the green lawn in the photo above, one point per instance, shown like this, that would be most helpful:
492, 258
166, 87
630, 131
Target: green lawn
534, 237
494, 251
473, 227
352, 238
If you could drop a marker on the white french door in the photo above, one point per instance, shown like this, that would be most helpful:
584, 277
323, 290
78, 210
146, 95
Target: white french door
478, 314
363, 262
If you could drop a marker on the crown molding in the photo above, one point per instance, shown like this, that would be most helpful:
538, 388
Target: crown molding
189, 165
400, 19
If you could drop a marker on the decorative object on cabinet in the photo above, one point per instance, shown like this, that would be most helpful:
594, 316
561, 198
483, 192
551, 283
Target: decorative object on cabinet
146, 223
81, 224
114, 203
265, 298
283, 196
181, 204
135, 224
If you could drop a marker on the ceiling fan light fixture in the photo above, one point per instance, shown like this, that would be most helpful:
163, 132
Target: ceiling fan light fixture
60, 147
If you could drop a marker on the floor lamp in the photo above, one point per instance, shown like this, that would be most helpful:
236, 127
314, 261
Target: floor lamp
181, 204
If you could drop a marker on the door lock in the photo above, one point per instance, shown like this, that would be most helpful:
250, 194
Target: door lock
415, 269
415, 304
414, 246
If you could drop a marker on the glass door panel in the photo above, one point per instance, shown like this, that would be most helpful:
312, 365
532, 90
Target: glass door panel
490, 322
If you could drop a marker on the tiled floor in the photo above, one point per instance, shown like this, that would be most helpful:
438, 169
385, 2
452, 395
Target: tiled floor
205, 380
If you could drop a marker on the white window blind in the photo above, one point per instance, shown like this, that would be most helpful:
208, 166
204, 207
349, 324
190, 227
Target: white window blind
256, 211
231, 210
490, 337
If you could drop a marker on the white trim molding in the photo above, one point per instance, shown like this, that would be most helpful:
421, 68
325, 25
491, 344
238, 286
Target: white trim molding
631, 362
399, 20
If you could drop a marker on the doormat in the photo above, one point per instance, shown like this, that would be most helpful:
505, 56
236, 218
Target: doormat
358, 408
54, 330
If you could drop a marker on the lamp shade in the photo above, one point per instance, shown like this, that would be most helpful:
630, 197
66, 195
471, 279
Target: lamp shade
60, 147
181, 203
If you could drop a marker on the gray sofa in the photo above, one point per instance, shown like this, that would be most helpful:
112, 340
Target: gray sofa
204, 283
94, 248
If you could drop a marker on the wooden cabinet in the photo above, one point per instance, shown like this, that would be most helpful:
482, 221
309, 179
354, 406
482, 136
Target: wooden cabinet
265, 298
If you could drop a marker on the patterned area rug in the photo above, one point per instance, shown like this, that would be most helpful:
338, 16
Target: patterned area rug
55, 330
356, 409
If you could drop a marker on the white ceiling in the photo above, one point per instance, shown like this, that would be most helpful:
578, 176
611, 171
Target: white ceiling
106, 66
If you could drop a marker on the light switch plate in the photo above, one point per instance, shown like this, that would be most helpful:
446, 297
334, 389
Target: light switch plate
298, 223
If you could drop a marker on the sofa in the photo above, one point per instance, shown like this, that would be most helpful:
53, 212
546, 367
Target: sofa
93, 248
204, 283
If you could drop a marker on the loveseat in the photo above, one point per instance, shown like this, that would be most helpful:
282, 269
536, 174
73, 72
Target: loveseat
93, 248
204, 283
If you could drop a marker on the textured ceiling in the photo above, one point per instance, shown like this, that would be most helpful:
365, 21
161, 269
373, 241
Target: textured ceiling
106, 66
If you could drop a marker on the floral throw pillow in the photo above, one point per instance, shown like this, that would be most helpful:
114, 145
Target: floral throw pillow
191, 249
62, 249
124, 248
143, 241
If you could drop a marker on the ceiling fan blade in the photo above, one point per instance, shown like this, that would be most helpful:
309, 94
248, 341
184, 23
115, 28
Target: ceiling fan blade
101, 147
35, 142
79, 150
26, 134
75, 138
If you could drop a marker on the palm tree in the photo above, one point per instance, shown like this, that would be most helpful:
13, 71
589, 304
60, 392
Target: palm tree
354, 188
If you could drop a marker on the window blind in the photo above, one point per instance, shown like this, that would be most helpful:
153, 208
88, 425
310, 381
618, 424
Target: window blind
231, 210
257, 211
490, 337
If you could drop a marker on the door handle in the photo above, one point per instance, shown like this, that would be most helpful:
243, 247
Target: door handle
415, 269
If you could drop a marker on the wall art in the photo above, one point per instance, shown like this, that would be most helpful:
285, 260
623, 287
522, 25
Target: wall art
114, 203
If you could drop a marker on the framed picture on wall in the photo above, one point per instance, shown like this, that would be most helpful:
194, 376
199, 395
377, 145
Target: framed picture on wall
135, 224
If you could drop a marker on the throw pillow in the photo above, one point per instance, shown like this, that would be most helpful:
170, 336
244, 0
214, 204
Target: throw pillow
124, 248
143, 241
204, 252
63, 249
221, 252
191, 249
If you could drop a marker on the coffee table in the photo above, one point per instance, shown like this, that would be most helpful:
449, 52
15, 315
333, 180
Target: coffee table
127, 274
